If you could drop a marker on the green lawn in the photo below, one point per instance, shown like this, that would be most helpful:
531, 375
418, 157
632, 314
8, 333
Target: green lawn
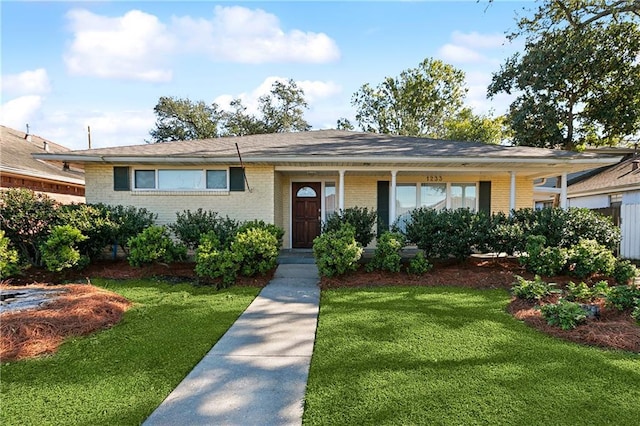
451, 356
119, 376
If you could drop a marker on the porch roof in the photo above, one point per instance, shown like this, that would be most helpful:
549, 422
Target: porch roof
337, 148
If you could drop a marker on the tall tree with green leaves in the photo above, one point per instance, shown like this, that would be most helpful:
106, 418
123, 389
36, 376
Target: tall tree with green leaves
467, 126
182, 119
415, 103
578, 79
283, 108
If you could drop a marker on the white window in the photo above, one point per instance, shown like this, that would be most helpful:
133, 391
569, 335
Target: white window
433, 195
329, 198
463, 195
181, 179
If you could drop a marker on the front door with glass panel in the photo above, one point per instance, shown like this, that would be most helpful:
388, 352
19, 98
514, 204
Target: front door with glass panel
307, 213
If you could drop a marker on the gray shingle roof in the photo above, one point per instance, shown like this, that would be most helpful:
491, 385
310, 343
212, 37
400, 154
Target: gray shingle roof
326, 143
610, 179
15, 157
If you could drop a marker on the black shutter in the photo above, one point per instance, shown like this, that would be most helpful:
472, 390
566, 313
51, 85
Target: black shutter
236, 179
484, 197
121, 180
383, 206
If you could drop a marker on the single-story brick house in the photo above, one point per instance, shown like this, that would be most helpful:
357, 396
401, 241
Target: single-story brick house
295, 180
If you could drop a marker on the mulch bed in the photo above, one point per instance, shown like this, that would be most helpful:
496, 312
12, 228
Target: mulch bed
86, 309
80, 310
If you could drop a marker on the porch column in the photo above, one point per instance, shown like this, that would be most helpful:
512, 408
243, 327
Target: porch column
341, 191
563, 190
392, 199
512, 193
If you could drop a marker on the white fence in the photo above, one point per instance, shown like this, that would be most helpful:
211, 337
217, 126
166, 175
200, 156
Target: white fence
630, 229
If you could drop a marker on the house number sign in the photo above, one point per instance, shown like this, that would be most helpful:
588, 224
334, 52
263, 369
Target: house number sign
433, 178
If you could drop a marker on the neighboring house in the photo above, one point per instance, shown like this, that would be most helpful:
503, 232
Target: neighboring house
614, 191
296, 180
60, 180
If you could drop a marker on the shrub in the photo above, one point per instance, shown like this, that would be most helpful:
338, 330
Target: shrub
583, 293
129, 222
154, 245
503, 236
445, 233
94, 222
624, 271
9, 259
589, 257
274, 230
27, 219
191, 226
60, 251
419, 265
214, 261
567, 315
360, 218
536, 289
623, 297
543, 260
256, 251
565, 228
337, 251
387, 254
636, 311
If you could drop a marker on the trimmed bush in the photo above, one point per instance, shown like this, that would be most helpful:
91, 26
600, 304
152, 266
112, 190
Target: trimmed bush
564, 314
214, 261
635, 314
274, 230
191, 226
94, 223
589, 257
543, 260
503, 236
624, 272
360, 218
337, 252
154, 245
446, 233
387, 254
419, 265
129, 222
9, 259
27, 219
536, 289
256, 251
60, 251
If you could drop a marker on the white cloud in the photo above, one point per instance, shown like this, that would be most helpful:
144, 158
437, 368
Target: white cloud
16, 113
32, 82
477, 40
239, 34
317, 90
128, 47
460, 54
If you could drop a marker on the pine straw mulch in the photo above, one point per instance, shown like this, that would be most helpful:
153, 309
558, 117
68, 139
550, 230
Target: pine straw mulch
80, 310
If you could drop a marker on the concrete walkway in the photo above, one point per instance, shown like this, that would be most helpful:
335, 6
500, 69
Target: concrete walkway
257, 372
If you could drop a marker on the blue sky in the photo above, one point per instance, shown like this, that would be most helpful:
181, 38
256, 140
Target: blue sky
69, 65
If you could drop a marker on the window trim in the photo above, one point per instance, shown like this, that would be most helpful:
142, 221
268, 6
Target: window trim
202, 171
418, 185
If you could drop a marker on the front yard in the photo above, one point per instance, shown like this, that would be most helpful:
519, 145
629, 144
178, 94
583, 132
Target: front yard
384, 355
120, 375
443, 355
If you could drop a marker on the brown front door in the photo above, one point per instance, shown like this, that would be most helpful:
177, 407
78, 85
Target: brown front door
306, 213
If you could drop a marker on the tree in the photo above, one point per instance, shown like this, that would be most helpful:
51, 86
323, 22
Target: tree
344, 124
578, 79
416, 103
181, 119
467, 126
283, 109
